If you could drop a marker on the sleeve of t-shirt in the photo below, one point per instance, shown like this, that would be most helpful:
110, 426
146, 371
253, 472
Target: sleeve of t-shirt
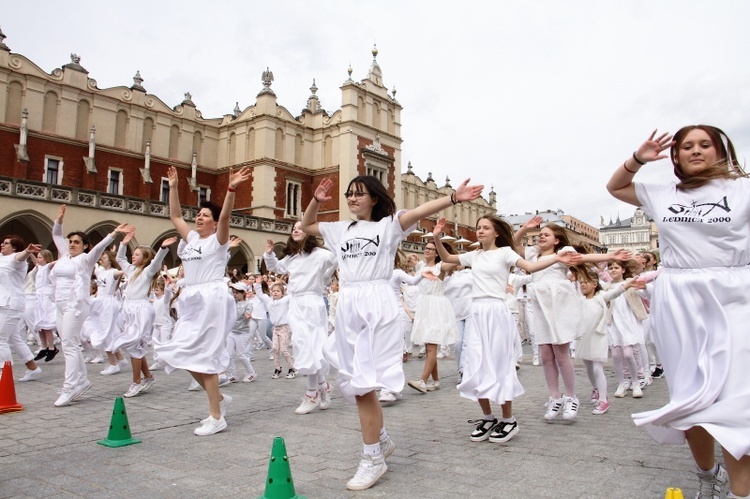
650, 194
467, 259
531, 253
333, 233
510, 257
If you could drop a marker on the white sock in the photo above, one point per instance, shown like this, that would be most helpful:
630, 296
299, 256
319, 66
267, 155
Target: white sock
489, 417
511, 419
383, 434
371, 450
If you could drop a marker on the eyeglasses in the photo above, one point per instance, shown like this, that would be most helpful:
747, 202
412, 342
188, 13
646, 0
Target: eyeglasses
5, 243
356, 194
430, 249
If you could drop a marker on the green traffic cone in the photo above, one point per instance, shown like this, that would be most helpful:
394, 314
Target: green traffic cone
279, 484
119, 429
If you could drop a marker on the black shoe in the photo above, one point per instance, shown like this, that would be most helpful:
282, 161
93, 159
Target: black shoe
51, 354
291, 374
42, 353
483, 429
502, 432
276, 374
658, 372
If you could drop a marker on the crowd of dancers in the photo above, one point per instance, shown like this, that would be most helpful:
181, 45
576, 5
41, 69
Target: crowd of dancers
357, 304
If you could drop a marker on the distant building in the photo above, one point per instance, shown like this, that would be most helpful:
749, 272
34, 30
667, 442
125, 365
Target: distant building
580, 233
636, 233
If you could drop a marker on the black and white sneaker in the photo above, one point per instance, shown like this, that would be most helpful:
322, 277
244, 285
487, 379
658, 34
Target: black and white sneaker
482, 432
503, 431
658, 372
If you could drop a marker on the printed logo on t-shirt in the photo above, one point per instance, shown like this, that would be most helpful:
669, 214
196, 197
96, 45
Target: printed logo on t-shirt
707, 213
360, 246
192, 253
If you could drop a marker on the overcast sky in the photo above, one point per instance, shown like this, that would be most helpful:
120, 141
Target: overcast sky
540, 98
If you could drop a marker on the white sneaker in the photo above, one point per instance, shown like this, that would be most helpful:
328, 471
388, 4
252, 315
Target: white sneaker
637, 391
387, 447
308, 404
712, 485
66, 397
571, 408
135, 389
622, 389
224, 380
156, 366
535, 360
111, 369
386, 396
194, 386
325, 396
224, 403
97, 360
418, 385
554, 407
371, 468
31, 375
210, 426
87, 359
123, 362
433, 385
81, 389
146, 384
248, 378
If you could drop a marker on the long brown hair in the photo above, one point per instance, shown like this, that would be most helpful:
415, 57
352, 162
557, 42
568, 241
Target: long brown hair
560, 234
726, 167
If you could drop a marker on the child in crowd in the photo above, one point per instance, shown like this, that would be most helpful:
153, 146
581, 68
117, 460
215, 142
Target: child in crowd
239, 341
163, 321
278, 309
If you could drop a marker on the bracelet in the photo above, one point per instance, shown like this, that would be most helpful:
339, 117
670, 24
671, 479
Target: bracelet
629, 170
638, 160
231, 189
454, 199
316, 199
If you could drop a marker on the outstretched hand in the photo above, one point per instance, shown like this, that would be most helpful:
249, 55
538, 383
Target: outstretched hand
60, 214
169, 242
322, 192
439, 226
652, 148
239, 176
128, 235
466, 192
569, 258
533, 222
621, 254
172, 177
269, 246
234, 242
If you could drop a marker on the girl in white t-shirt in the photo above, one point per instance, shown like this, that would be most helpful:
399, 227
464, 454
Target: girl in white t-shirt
368, 345
490, 371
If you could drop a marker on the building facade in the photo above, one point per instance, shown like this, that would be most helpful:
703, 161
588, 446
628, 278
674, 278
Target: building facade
637, 233
105, 153
579, 232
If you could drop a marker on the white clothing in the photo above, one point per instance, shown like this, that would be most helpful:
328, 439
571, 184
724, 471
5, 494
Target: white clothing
44, 316
556, 309
12, 274
458, 288
490, 371
109, 320
206, 310
309, 275
278, 310
623, 327
594, 343
434, 320
700, 311
367, 341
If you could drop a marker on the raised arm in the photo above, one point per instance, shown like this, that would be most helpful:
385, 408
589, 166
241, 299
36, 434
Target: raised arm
619, 254
272, 263
309, 222
444, 255
175, 212
465, 192
621, 185
57, 233
235, 179
26, 252
96, 252
520, 233
153, 268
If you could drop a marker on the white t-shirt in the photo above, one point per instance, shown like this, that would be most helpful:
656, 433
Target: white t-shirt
204, 260
365, 250
490, 270
703, 227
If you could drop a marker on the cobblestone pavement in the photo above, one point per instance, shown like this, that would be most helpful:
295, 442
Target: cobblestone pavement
49, 451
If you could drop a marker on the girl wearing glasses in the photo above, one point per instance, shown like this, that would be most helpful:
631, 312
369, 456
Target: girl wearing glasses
367, 339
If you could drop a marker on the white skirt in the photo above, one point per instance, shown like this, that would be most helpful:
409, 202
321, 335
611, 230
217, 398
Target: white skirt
46, 314
138, 323
308, 320
490, 368
593, 346
207, 314
367, 339
110, 323
434, 321
556, 312
699, 321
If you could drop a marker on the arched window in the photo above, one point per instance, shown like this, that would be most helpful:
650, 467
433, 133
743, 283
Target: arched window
49, 114
121, 128
174, 141
15, 103
82, 120
148, 133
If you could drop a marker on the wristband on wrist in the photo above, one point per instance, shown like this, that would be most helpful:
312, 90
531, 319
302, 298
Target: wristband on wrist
454, 199
231, 189
629, 170
316, 199
638, 160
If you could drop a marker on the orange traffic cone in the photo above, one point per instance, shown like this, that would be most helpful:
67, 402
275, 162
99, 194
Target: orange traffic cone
8, 401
